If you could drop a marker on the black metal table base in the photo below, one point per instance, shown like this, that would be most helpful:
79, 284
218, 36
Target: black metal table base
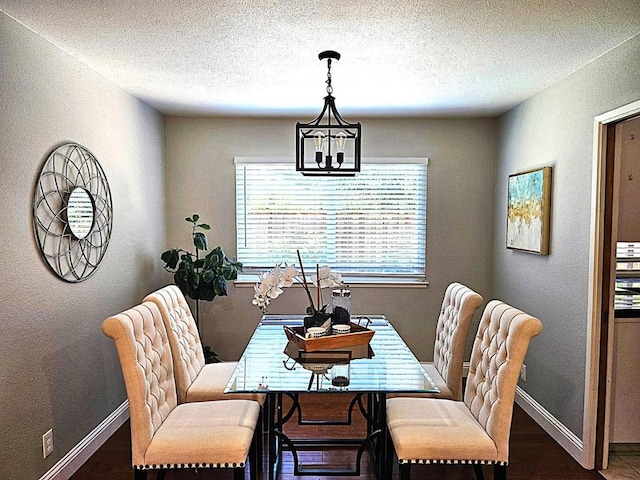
374, 442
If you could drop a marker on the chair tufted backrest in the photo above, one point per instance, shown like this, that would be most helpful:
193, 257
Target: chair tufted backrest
498, 351
458, 307
147, 367
184, 337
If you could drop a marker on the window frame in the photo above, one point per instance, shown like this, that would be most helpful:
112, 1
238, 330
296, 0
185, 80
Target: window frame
249, 275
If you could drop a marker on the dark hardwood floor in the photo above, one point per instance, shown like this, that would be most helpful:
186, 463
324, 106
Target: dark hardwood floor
534, 455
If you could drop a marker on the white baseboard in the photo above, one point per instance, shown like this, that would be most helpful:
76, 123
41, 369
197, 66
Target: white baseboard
79, 454
550, 424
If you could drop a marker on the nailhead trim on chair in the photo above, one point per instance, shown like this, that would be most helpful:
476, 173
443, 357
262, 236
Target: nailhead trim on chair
454, 462
189, 465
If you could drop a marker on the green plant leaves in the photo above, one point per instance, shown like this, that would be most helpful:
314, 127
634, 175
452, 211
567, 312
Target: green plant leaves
194, 279
207, 276
181, 280
201, 278
170, 258
231, 268
200, 241
220, 286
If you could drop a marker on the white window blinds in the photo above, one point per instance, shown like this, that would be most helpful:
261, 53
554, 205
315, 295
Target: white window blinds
373, 224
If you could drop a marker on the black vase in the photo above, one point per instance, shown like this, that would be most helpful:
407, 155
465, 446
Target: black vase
316, 320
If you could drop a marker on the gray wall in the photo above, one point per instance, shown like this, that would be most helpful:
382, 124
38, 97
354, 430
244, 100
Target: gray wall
556, 128
461, 154
58, 370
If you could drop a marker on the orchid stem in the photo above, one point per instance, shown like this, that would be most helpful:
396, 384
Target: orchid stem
304, 283
318, 280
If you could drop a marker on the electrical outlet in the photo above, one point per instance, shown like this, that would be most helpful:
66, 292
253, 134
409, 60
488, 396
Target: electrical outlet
47, 444
523, 373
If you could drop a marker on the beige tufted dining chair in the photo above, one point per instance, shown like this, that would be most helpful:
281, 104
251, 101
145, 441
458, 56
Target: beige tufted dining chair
195, 380
458, 307
165, 434
476, 430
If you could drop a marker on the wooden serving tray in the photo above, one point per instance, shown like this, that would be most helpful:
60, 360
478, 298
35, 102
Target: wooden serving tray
358, 336
341, 355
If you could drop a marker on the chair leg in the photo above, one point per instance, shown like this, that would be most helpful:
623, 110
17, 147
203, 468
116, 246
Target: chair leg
238, 474
388, 474
477, 468
260, 429
405, 471
161, 474
500, 472
254, 460
139, 474
265, 418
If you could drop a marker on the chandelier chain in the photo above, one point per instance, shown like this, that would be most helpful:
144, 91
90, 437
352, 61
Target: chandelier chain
329, 87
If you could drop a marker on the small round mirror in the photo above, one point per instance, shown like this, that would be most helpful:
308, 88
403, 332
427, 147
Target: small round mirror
80, 213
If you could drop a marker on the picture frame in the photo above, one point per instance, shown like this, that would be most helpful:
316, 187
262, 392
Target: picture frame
528, 211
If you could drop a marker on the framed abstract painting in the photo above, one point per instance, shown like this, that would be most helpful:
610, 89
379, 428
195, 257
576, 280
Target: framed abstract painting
528, 210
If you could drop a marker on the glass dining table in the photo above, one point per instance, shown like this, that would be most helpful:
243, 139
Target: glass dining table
273, 365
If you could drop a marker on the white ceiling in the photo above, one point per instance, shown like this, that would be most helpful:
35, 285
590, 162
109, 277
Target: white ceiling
403, 57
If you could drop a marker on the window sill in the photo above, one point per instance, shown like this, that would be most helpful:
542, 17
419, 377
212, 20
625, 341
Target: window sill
249, 280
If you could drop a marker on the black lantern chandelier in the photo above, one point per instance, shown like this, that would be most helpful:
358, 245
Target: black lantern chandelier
332, 144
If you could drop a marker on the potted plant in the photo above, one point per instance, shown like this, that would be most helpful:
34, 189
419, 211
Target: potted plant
201, 278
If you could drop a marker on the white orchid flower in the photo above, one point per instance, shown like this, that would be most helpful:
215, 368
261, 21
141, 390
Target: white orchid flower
327, 278
273, 281
270, 285
259, 301
276, 273
289, 274
259, 298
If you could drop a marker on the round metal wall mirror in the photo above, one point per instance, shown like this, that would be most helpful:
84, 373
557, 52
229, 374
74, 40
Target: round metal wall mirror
72, 212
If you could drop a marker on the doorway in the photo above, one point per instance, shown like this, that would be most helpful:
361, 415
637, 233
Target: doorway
601, 349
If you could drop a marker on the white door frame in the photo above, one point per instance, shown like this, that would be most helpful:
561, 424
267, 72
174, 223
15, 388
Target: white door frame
596, 254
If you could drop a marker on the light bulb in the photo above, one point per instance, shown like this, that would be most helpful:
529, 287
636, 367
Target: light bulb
341, 141
319, 139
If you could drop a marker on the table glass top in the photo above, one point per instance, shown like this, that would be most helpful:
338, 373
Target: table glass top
272, 364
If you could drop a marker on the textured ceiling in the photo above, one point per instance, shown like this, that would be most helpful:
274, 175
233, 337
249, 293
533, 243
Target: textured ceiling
420, 57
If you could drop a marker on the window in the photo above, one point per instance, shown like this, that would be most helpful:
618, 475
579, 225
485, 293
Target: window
372, 225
